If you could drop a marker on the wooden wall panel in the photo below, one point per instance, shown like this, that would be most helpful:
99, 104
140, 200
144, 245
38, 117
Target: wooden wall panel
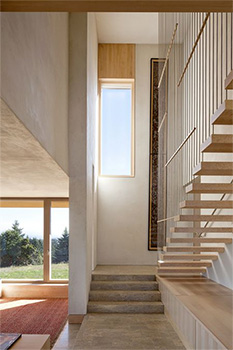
30, 290
116, 61
193, 333
117, 6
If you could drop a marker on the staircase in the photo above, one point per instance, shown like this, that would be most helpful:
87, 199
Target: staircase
119, 293
189, 256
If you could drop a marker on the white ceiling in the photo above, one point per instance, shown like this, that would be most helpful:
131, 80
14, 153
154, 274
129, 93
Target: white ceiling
140, 28
128, 28
26, 169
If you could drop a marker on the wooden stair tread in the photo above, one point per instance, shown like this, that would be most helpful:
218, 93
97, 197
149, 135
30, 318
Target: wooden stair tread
229, 81
189, 257
199, 240
214, 168
185, 263
207, 204
209, 188
201, 229
224, 114
194, 249
218, 143
203, 218
181, 270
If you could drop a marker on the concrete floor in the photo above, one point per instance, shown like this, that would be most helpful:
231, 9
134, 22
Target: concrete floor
120, 332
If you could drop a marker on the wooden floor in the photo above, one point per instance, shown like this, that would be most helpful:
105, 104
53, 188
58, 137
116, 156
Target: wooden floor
208, 301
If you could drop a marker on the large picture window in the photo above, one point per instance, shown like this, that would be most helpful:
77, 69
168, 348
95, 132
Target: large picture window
34, 239
117, 128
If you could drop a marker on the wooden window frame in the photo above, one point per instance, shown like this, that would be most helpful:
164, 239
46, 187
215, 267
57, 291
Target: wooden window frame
48, 204
118, 83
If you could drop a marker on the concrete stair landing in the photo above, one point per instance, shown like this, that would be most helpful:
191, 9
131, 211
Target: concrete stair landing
124, 293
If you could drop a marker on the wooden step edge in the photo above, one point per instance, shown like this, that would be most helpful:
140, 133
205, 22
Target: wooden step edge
201, 229
180, 249
229, 81
219, 118
217, 143
185, 263
181, 269
203, 218
209, 188
200, 240
214, 168
180, 257
206, 204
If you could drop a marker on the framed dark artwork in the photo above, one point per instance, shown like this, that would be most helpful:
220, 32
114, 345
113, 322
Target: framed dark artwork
157, 174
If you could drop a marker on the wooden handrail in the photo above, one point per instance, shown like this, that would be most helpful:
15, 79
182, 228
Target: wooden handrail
161, 124
168, 54
166, 219
180, 146
194, 47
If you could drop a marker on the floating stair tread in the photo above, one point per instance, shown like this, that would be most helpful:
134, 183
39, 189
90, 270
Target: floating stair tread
218, 143
214, 168
194, 249
203, 218
125, 307
224, 114
185, 263
207, 204
201, 229
209, 188
181, 270
124, 295
200, 240
189, 257
229, 81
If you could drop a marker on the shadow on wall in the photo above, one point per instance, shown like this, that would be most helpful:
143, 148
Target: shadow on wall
222, 270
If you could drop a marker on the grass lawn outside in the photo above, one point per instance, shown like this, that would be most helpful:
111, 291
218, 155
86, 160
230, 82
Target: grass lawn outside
59, 271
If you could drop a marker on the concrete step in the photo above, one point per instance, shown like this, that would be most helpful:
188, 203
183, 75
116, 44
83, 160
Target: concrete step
209, 188
124, 295
126, 307
105, 277
124, 285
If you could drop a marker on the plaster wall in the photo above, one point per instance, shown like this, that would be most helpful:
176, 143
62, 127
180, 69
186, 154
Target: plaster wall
123, 202
34, 76
82, 124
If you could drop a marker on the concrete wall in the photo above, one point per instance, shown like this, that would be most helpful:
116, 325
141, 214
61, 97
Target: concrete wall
123, 202
34, 76
82, 121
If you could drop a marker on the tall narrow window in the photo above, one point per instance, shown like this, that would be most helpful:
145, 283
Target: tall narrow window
116, 129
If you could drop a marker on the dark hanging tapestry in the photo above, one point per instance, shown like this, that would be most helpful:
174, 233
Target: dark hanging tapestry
157, 187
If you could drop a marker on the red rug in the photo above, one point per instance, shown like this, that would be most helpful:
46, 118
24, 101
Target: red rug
33, 316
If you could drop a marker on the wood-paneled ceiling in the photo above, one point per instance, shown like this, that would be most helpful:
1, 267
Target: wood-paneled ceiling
117, 5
